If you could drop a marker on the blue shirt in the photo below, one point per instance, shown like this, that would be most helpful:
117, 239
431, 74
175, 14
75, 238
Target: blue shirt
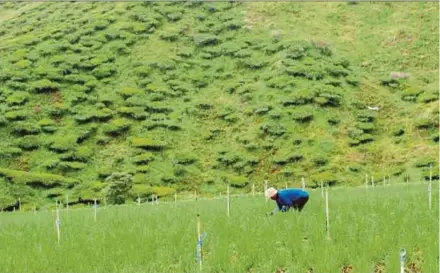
288, 196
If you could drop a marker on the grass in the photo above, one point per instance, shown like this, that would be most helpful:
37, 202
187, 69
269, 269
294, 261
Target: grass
367, 227
115, 78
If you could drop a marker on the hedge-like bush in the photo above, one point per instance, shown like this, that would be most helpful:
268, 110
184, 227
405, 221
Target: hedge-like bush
147, 143
37, 179
116, 126
17, 98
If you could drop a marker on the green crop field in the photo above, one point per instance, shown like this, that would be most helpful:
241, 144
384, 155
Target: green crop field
368, 227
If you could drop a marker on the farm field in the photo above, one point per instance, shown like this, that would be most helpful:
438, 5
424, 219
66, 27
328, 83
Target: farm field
367, 229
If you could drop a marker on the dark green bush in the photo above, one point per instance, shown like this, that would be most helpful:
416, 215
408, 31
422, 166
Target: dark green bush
127, 92
18, 98
36, 179
44, 86
62, 143
147, 143
205, 39
72, 166
25, 128
143, 158
116, 126
16, 115
104, 71
29, 143
302, 114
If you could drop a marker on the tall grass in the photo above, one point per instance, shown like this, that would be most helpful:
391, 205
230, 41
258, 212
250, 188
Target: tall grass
368, 227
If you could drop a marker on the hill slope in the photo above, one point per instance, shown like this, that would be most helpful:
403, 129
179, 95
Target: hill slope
190, 96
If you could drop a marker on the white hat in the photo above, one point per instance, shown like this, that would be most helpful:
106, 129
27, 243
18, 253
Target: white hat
271, 192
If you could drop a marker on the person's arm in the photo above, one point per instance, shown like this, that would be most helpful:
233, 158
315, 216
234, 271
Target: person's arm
279, 207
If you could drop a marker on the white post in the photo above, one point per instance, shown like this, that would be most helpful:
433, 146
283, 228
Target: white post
19, 204
253, 191
372, 181
430, 187
198, 240
366, 181
327, 214
228, 200
286, 185
157, 200
58, 224
322, 189
175, 198
195, 194
105, 202
384, 182
265, 188
13, 210
389, 181
139, 200
35, 210
67, 202
96, 208
303, 182
402, 260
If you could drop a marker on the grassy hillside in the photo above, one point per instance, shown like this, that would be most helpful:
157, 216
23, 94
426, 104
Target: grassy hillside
190, 96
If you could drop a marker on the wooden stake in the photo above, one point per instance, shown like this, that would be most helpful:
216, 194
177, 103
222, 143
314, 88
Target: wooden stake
430, 188
96, 208
58, 224
265, 188
327, 214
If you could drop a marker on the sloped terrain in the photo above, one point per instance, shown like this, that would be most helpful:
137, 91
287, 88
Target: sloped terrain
190, 96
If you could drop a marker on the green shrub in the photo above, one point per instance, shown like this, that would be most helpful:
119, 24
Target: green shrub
72, 166
29, 143
25, 128
237, 181
44, 85
63, 143
104, 71
16, 115
366, 127
205, 39
147, 143
143, 158
302, 114
427, 97
273, 129
116, 126
366, 138
425, 162
411, 93
142, 169
129, 91
10, 151
311, 71
17, 98
133, 112
366, 116
300, 97
142, 71
425, 123
37, 179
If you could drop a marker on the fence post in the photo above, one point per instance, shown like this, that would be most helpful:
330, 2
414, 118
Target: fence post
430, 187
265, 188
366, 181
327, 213
227, 199
303, 182
402, 260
